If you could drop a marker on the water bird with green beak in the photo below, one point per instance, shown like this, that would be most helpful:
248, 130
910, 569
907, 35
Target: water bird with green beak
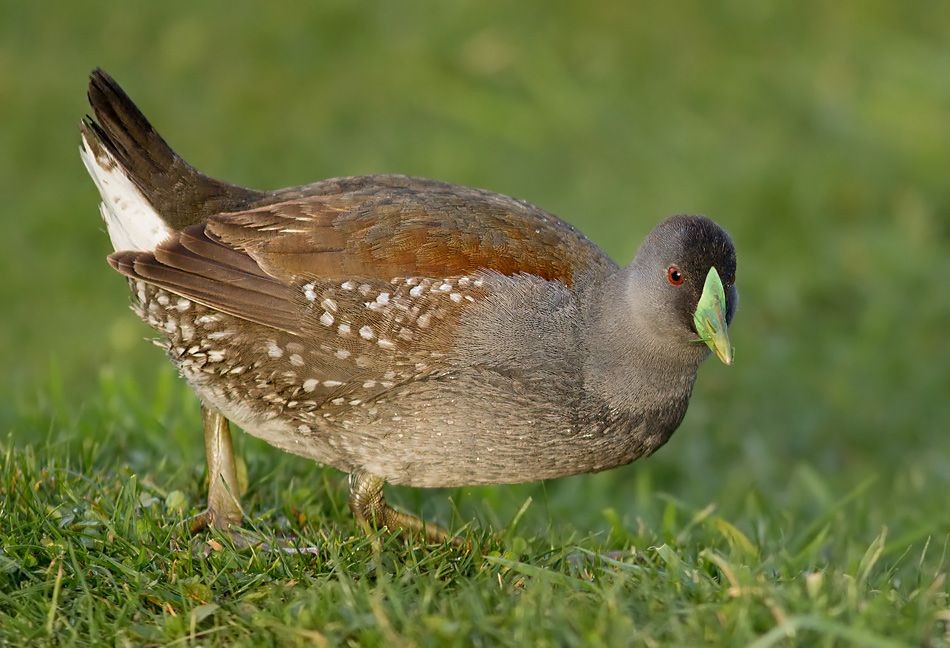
404, 330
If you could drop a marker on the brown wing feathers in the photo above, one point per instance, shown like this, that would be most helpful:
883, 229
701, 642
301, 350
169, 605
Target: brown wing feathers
242, 251
195, 266
197, 241
248, 264
407, 233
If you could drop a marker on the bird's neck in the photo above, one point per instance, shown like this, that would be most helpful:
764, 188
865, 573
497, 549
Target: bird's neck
626, 364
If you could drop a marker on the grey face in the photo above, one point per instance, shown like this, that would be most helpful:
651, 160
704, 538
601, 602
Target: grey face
669, 277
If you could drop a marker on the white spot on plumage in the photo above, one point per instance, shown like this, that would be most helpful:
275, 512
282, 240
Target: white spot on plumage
296, 360
219, 335
348, 285
310, 384
416, 291
332, 383
342, 354
456, 297
366, 332
445, 287
326, 319
182, 305
308, 292
382, 298
364, 289
343, 329
386, 344
215, 355
424, 320
329, 304
273, 350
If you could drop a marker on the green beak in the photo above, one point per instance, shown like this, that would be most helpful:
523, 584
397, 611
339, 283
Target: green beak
710, 318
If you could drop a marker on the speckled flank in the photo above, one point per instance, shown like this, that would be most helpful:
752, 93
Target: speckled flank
366, 339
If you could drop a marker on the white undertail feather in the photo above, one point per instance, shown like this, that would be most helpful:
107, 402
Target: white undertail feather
132, 222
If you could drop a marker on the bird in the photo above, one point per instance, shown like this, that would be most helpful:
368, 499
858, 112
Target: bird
404, 330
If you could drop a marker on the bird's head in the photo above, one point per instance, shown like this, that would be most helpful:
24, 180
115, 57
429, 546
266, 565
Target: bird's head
681, 286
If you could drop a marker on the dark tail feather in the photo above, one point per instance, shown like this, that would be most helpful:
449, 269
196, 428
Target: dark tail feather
179, 193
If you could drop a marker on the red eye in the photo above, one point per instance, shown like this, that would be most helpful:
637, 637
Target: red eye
674, 276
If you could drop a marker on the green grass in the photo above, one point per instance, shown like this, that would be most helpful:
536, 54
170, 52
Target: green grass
91, 550
802, 502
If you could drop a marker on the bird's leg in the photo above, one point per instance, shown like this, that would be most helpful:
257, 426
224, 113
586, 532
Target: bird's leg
371, 512
224, 508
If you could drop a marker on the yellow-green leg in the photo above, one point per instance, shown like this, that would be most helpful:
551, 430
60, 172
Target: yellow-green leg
371, 512
224, 506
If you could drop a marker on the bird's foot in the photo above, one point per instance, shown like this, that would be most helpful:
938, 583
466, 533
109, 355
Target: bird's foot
224, 514
212, 518
236, 537
371, 511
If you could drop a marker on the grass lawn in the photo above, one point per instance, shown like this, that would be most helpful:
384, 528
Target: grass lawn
91, 551
802, 502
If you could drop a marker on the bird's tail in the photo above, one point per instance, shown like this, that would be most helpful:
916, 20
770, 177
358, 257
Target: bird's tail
147, 189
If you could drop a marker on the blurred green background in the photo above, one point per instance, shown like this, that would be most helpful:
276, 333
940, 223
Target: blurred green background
817, 133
